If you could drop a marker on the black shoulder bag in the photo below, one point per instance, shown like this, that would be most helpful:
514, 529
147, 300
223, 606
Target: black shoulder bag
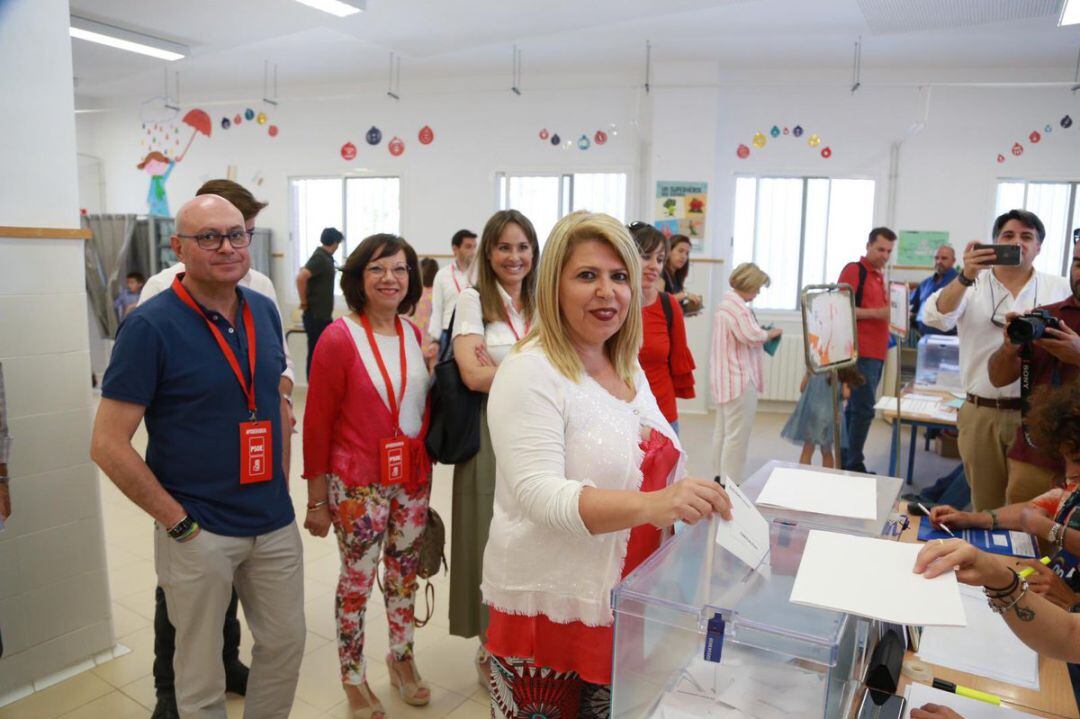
454, 433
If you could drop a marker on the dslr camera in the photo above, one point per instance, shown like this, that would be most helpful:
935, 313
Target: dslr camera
1031, 326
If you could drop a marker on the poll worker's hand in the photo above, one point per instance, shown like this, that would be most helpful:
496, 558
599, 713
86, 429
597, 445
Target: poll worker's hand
975, 261
1047, 583
1035, 520
5, 501
934, 711
951, 517
972, 566
1063, 344
691, 499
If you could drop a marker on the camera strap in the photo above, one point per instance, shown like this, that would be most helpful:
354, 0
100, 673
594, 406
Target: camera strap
1026, 354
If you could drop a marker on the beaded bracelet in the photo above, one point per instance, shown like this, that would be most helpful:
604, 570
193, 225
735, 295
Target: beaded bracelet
999, 608
1004, 591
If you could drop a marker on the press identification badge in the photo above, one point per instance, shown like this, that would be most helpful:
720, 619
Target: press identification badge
256, 452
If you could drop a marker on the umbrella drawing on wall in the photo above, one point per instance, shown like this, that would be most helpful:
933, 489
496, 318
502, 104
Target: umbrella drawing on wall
199, 121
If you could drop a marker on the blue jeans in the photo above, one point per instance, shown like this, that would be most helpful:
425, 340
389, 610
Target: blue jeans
860, 413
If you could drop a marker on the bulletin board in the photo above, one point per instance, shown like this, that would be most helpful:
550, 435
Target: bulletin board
829, 338
680, 210
915, 249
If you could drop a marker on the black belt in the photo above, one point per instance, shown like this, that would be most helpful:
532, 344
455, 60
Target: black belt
1010, 403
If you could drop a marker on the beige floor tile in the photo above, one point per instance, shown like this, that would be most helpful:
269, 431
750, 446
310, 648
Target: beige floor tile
126, 621
442, 702
58, 699
481, 696
142, 603
132, 578
138, 663
448, 662
142, 691
471, 710
115, 705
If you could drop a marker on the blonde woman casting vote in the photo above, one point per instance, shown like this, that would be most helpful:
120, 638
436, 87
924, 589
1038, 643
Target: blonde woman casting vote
587, 472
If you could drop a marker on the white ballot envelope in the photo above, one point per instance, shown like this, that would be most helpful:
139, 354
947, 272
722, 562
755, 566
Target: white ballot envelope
747, 534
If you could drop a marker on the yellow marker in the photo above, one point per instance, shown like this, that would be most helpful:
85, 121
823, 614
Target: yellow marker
976, 694
1025, 573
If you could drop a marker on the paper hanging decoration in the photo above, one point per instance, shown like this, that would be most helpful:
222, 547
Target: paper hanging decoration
786, 131
1034, 137
373, 136
426, 135
743, 152
1066, 122
814, 140
225, 123
544, 134
826, 152
759, 140
584, 143
1000, 158
1048, 129
600, 137
272, 131
348, 151
797, 132
237, 120
249, 114
556, 140
261, 118
396, 146
775, 131
1017, 149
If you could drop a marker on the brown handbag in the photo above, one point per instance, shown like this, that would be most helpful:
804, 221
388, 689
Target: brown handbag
432, 557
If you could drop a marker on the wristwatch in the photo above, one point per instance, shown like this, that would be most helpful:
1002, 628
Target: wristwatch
182, 529
1054, 535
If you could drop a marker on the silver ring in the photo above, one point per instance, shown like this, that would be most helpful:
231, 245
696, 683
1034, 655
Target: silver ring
941, 541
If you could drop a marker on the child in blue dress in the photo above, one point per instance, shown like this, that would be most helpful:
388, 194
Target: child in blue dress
811, 423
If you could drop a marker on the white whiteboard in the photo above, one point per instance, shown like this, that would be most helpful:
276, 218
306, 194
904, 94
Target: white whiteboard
899, 312
828, 327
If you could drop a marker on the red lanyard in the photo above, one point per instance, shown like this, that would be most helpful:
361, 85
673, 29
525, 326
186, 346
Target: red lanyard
453, 276
510, 321
395, 404
230, 357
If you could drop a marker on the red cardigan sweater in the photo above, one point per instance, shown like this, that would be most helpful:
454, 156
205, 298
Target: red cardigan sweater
345, 416
665, 358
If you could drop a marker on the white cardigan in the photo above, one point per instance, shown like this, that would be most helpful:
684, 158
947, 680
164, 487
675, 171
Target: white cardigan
552, 437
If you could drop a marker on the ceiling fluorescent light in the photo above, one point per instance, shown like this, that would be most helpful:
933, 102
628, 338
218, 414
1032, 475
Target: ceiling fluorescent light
1070, 13
340, 8
121, 39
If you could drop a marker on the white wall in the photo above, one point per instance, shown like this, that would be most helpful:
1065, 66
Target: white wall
54, 596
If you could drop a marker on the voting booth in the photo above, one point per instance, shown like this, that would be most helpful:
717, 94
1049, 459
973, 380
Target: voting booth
699, 632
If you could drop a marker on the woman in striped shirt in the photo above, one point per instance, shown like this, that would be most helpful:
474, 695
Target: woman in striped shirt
736, 368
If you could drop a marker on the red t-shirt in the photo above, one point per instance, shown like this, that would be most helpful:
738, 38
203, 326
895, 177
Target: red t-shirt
575, 647
873, 334
665, 359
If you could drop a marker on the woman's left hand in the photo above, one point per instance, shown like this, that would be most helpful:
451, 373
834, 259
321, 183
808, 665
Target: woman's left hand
934, 711
483, 357
972, 566
1047, 583
318, 521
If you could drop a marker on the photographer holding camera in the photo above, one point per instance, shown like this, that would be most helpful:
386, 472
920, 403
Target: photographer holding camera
978, 303
1042, 346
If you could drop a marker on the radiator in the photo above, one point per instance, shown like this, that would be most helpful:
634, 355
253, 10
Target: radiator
784, 370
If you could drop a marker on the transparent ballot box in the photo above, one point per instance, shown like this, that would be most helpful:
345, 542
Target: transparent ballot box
776, 659
888, 490
938, 365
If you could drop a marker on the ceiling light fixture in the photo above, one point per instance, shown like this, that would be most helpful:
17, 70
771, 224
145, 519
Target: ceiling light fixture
121, 39
1070, 13
339, 8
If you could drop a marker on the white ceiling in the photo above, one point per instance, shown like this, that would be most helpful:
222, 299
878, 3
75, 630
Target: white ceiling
229, 41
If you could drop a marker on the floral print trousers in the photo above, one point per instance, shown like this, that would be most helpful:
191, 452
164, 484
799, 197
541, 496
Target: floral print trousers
364, 517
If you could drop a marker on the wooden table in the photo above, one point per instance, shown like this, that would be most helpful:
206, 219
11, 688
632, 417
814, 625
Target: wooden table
1055, 697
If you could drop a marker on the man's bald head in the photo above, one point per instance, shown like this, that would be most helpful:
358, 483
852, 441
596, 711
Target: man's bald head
205, 210
944, 259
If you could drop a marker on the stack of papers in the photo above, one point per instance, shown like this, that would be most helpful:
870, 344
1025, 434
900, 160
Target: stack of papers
805, 490
873, 578
986, 647
918, 404
921, 694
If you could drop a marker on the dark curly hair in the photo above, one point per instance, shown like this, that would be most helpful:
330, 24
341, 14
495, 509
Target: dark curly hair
1053, 420
374, 248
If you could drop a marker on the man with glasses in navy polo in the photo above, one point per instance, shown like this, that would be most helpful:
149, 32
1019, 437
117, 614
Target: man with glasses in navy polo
978, 303
201, 363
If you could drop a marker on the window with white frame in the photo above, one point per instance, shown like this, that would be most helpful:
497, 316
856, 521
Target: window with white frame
544, 198
800, 230
1058, 206
358, 206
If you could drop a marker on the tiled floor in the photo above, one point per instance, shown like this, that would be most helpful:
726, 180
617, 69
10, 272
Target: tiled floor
123, 688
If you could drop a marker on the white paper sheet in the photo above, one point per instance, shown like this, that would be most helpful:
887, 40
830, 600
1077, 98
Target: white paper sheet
985, 647
805, 490
747, 534
920, 694
873, 578
922, 405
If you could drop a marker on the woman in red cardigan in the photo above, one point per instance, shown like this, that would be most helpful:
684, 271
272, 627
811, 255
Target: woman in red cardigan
364, 458
664, 356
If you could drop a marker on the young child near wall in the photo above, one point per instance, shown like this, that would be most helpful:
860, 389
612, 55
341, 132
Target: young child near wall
811, 423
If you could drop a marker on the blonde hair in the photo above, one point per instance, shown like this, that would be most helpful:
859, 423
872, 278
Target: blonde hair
550, 331
748, 277
491, 303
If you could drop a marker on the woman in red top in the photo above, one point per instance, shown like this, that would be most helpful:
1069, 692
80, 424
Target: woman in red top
664, 356
364, 458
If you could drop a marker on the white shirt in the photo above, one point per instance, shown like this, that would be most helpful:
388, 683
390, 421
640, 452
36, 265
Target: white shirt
253, 280
500, 336
450, 280
979, 338
416, 389
553, 437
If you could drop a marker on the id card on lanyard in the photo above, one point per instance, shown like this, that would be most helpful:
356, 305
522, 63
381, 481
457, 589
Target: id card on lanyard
256, 438
395, 465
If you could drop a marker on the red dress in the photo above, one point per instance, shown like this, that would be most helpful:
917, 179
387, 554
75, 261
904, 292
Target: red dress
665, 358
575, 647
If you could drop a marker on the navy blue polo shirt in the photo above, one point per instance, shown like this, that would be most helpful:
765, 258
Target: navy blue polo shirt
166, 360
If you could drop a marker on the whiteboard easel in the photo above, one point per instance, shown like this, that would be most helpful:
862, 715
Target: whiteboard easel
830, 341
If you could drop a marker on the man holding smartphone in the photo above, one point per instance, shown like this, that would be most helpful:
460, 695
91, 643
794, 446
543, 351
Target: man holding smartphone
978, 303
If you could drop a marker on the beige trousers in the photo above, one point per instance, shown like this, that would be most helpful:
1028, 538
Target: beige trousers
986, 435
198, 578
731, 435
1028, 481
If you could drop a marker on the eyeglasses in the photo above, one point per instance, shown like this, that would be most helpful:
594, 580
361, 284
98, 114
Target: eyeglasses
636, 225
997, 305
378, 271
213, 241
